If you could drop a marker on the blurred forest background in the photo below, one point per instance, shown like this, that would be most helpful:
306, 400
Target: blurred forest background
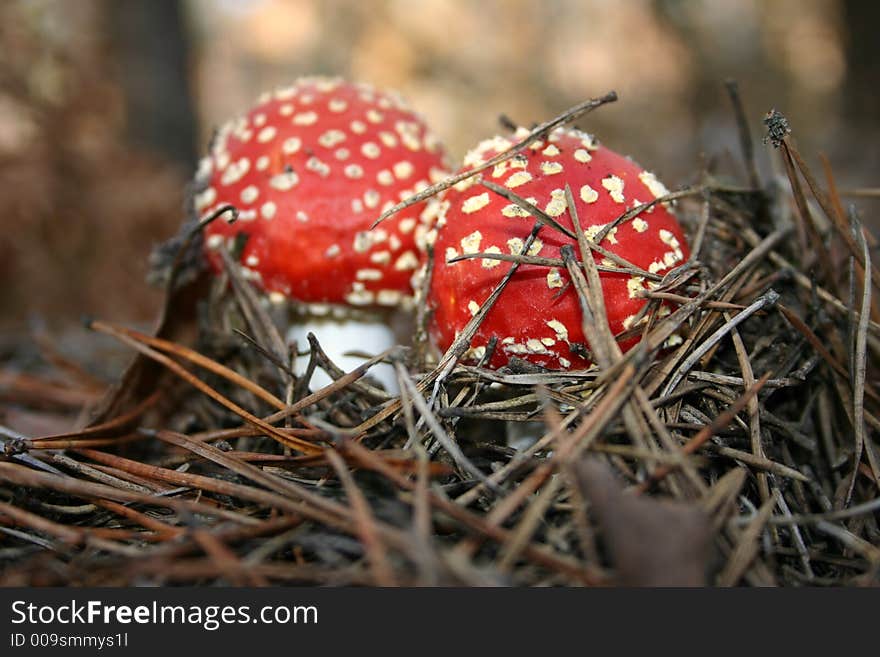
105, 105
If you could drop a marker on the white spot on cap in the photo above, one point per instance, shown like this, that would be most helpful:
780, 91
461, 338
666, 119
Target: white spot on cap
318, 166
475, 353
475, 203
205, 198
291, 145
403, 169
554, 279
358, 127
551, 168
592, 231
582, 155
354, 171
214, 242
489, 263
558, 328
515, 245
465, 184
389, 297
374, 116
407, 225
249, 194
630, 321
670, 258
301, 216
332, 251
517, 179
222, 160
513, 210
369, 275
359, 297
284, 181
372, 198
535, 346
588, 194
235, 171
614, 185
564, 362
331, 138
668, 238
388, 139
381, 257
371, 150
205, 169
384, 177
473, 307
500, 169
407, 260
268, 210
250, 275
640, 225
337, 105
550, 151
267, 134
650, 181
436, 174
305, 118
252, 261
363, 240
536, 247
635, 286
262, 163
557, 204
471, 243
286, 109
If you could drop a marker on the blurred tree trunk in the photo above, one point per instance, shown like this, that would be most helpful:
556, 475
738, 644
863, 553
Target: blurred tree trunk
151, 43
862, 20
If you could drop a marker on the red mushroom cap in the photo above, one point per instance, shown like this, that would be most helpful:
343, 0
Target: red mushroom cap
310, 167
537, 318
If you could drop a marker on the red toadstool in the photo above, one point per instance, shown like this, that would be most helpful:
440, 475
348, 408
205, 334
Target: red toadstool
309, 168
537, 317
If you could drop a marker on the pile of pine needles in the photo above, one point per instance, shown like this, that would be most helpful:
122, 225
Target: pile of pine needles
746, 455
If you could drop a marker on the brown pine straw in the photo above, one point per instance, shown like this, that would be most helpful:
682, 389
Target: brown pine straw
223, 466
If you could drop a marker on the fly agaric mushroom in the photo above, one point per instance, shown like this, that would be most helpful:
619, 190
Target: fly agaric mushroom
537, 317
309, 168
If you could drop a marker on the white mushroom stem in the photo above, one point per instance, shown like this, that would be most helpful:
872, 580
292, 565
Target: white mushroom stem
339, 336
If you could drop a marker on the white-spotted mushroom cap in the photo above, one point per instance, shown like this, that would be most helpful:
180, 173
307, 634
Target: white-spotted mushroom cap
537, 318
310, 168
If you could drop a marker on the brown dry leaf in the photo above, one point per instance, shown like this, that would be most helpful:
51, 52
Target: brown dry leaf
177, 323
652, 542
